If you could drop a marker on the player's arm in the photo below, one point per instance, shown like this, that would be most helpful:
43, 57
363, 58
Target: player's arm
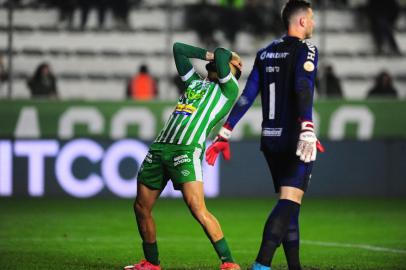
228, 84
305, 74
182, 53
221, 144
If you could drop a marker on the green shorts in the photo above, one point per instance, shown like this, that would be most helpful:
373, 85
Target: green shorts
164, 162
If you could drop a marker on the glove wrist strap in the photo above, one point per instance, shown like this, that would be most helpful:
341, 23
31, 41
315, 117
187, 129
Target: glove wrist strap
307, 126
225, 133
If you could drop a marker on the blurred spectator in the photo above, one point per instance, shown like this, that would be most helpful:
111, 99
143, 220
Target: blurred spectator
142, 86
383, 16
253, 17
66, 11
43, 82
101, 6
121, 10
230, 18
84, 6
383, 86
261, 17
202, 18
330, 84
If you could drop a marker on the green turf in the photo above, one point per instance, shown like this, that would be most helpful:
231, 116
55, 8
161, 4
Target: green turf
101, 234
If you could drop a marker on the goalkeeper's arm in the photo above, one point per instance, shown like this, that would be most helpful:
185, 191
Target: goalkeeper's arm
220, 143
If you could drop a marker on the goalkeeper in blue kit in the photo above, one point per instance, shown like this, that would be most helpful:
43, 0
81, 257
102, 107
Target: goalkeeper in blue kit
283, 74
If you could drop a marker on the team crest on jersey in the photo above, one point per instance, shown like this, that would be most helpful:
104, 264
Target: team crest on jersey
196, 90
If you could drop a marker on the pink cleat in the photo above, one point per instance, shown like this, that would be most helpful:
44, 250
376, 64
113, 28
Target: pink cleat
146, 265
229, 266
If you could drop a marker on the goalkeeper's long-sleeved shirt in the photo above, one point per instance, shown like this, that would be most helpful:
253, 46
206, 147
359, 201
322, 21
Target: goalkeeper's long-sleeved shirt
284, 74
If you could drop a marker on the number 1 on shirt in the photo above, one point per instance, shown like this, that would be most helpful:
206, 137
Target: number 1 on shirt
272, 101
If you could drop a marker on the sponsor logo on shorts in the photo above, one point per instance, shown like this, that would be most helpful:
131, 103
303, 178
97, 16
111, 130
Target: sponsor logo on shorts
181, 159
185, 172
272, 132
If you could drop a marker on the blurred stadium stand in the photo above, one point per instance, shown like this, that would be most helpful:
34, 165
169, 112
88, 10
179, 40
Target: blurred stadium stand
101, 61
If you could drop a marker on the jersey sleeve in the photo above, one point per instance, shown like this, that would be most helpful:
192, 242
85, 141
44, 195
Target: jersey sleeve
181, 53
305, 74
247, 97
228, 83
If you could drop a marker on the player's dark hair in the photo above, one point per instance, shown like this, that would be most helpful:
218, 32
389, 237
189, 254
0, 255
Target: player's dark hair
237, 74
211, 66
291, 7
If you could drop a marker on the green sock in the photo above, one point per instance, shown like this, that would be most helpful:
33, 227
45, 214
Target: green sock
223, 251
151, 252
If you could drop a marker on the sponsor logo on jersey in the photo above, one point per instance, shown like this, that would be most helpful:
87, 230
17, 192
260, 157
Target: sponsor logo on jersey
185, 172
272, 132
274, 55
185, 109
272, 69
181, 159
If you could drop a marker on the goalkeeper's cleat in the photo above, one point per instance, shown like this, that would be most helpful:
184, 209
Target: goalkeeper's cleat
258, 266
229, 266
143, 265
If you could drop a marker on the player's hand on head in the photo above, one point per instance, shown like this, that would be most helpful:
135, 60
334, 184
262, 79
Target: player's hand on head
308, 144
209, 56
219, 145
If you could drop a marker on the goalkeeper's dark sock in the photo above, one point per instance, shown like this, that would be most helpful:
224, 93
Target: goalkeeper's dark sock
275, 229
151, 252
291, 243
223, 251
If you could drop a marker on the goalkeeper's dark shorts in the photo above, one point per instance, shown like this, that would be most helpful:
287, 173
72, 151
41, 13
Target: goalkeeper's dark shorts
288, 170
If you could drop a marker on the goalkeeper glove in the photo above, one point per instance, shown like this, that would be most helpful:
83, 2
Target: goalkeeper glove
219, 145
308, 144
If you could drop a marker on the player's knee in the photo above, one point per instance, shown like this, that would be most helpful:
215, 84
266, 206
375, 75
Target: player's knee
141, 210
198, 211
201, 216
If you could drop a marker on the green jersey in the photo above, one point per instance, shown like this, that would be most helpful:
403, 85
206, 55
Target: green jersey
204, 103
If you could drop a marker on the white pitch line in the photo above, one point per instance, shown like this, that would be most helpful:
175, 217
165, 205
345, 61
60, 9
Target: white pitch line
105, 239
360, 246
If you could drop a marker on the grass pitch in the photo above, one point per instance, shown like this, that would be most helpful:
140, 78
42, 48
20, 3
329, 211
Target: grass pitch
99, 234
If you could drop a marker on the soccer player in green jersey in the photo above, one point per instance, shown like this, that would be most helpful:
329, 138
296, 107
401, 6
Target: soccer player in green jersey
177, 152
